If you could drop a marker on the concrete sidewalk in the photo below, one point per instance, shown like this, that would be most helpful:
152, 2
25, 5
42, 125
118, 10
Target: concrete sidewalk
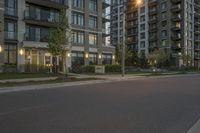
100, 79
27, 79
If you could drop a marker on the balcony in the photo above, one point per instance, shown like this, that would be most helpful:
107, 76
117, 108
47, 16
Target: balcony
176, 27
176, 17
106, 32
197, 39
176, 37
41, 19
105, 17
153, 37
152, 11
197, 23
176, 8
176, 1
105, 4
197, 47
36, 37
197, 30
132, 40
152, 2
10, 13
152, 28
197, 56
176, 46
153, 20
10, 35
56, 4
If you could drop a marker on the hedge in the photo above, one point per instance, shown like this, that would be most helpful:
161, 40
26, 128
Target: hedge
112, 68
108, 69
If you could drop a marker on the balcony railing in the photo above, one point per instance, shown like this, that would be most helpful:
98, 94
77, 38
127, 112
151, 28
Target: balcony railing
10, 35
176, 8
31, 15
106, 16
36, 37
107, 1
63, 2
197, 47
10, 11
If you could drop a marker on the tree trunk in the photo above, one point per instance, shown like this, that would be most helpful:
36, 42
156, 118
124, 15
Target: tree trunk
55, 69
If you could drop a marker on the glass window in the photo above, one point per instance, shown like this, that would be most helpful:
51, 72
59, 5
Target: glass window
92, 22
78, 3
106, 58
92, 58
11, 7
92, 39
10, 30
10, 54
93, 5
78, 37
77, 58
77, 18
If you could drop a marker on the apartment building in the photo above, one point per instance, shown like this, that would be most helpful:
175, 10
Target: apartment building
197, 32
171, 25
117, 9
26, 25
1, 32
90, 26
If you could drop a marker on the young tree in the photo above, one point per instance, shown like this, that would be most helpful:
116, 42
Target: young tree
187, 59
158, 57
118, 53
59, 40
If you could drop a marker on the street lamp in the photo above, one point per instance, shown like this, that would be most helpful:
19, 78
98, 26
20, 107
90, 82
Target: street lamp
21, 52
137, 4
1, 49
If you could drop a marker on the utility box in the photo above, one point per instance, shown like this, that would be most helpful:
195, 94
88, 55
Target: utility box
100, 69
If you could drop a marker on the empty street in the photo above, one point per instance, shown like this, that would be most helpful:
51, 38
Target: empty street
152, 105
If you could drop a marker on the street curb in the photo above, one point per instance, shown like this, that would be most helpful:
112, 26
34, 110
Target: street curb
90, 82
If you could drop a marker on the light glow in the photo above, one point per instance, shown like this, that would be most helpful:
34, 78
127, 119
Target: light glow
69, 55
113, 57
139, 2
86, 55
21, 52
0, 48
100, 56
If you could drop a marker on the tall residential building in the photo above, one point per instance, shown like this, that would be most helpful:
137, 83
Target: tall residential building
197, 32
171, 25
25, 26
90, 34
1, 32
117, 9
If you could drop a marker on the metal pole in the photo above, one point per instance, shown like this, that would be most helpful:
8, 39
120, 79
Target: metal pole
123, 45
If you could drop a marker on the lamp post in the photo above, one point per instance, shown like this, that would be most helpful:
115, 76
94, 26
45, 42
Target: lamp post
137, 4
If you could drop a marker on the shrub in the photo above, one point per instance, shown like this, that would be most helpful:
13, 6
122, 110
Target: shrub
112, 68
9, 68
88, 69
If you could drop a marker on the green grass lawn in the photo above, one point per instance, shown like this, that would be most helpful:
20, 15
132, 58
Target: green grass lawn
24, 75
59, 80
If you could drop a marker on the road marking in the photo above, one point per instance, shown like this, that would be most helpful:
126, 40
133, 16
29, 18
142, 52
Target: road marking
195, 128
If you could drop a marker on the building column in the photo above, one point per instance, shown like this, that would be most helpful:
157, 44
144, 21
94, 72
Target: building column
1, 34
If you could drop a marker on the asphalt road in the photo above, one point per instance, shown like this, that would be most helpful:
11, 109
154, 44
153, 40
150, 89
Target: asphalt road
169, 105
